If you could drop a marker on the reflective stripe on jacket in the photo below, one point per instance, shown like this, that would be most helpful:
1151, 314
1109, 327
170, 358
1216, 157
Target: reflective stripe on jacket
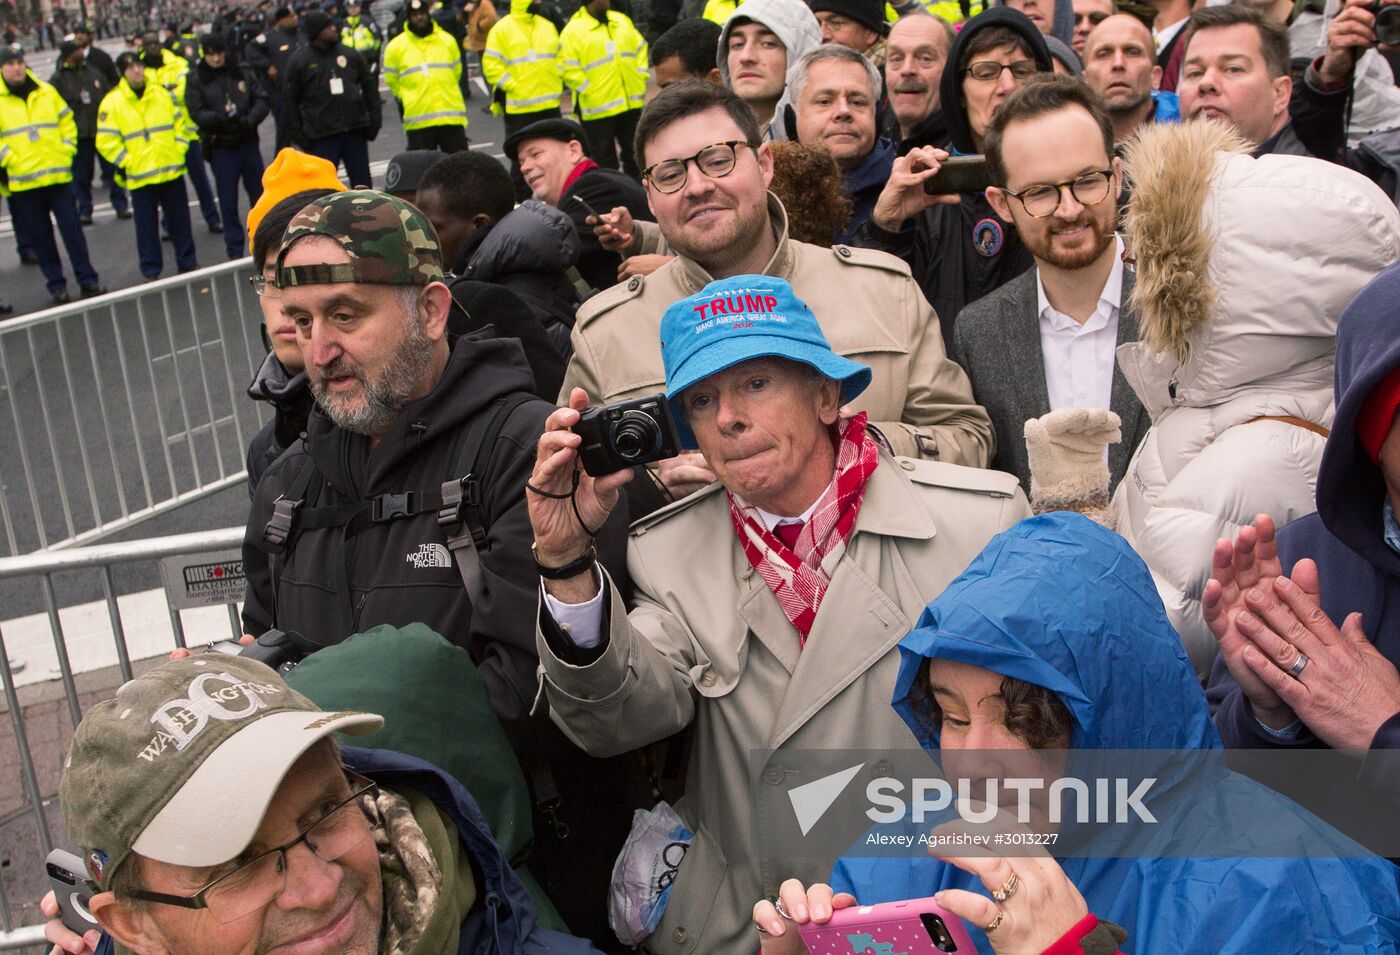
605, 63
142, 135
38, 138
424, 74
173, 74
522, 60
359, 35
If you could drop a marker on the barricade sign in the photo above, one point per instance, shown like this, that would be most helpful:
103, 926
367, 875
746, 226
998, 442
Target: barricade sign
203, 580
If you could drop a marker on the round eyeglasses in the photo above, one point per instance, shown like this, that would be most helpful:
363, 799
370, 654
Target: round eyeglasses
1042, 199
255, 883
715, 161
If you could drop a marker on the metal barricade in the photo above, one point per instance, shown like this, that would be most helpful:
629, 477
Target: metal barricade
121, 407
41, 569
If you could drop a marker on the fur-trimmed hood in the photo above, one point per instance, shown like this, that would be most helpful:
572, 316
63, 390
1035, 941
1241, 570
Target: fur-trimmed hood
1243, 265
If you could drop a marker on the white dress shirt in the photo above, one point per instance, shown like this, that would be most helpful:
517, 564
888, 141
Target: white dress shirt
583, 623
1164, 36
1079, 359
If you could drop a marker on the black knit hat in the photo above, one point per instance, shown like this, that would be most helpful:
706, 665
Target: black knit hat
313, 22
868, 13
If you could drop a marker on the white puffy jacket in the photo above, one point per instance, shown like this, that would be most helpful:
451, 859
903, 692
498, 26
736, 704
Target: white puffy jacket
1244, 266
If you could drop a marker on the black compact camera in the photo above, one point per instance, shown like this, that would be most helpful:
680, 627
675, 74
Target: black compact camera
279, 649
1387, 23
626, 434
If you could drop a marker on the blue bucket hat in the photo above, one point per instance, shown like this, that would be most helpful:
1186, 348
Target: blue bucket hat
740, 318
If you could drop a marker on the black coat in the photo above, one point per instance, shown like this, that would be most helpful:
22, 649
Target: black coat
492, 309
602, 189
312, 111
385, 585
226, 104
102, 61
82, 89
290, 398
273, 47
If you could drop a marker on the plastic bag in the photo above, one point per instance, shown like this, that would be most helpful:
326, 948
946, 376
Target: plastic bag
645, 869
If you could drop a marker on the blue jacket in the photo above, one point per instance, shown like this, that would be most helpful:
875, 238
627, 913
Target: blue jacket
1063, 603
1166, 107
863, 185
503, 920
1346, 535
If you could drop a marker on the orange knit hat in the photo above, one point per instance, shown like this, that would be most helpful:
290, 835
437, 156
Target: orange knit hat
291, 172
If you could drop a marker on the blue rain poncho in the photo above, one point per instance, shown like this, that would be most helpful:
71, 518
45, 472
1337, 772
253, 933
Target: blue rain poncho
1060, 602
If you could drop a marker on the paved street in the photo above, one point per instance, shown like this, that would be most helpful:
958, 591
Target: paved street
112, 241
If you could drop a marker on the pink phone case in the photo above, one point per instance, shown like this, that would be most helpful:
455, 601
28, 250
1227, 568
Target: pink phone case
890, 928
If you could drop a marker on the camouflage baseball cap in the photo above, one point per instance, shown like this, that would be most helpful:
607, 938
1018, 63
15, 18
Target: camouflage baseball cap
181, 766
388, 240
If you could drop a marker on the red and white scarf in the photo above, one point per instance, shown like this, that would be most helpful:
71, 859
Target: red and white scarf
798, 577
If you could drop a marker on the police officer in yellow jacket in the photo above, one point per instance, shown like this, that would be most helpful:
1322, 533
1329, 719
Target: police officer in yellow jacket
171, 71
361, 34
521, 63
423, 69
605, 64
38, 139
140, 131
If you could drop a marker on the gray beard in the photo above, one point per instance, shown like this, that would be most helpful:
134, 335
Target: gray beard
381, 400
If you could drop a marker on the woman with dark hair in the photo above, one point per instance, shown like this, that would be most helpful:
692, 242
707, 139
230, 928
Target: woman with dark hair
1051, 646
281, 380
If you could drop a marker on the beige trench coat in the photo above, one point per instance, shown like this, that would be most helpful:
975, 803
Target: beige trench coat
708, 643
870, 310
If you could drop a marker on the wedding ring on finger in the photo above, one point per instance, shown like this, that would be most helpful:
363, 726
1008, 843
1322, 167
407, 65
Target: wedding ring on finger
1007, 890
996, 923
1296, 669
778, 904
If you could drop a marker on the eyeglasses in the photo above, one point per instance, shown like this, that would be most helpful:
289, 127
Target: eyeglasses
715, 161
255, 883
986, 70
1042, 200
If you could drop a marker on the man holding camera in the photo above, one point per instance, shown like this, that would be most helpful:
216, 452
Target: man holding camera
405, 502
803, 567
216, 813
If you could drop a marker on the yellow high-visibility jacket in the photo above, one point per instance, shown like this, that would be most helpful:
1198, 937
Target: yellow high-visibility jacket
142, 135
604, 63
358, 34
173, 73
951, 10
38, 137
423, 73
521, 59
717, 11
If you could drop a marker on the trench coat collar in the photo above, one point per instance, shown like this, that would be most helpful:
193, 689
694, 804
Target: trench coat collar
693, 276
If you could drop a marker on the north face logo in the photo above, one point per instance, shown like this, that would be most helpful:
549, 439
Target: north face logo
430, 555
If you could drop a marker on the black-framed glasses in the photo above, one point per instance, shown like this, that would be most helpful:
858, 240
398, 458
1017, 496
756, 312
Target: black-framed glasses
1042, 199
988, 70
716, 162
255, 883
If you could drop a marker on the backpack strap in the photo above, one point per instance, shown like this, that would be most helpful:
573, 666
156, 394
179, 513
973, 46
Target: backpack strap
460, 511
280, 530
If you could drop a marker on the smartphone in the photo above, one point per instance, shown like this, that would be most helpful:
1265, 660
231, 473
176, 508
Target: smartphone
72, 889
959, 175
587, 208
912, 927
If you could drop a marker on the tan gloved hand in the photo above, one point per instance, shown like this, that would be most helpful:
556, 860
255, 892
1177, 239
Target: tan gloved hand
1066, 450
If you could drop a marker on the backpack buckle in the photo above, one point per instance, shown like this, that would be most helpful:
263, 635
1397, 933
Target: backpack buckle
279, 528
457, 496
389, 507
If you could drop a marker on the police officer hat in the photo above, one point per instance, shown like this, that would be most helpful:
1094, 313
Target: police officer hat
564, 130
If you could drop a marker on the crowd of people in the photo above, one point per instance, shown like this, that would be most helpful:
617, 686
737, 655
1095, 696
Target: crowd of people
839, 376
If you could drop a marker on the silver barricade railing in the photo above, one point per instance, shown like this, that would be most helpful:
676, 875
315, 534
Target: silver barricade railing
123, 406
98, 559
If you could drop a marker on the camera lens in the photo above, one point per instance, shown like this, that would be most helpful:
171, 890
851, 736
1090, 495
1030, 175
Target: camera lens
1388, 25
636, 435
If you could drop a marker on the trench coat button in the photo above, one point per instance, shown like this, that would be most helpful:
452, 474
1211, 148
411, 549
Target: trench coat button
907, 465
679, 935
709, 679
632, 286
773, 776
843, 251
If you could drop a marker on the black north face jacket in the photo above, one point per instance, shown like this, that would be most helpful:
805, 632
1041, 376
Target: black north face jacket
400, 571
